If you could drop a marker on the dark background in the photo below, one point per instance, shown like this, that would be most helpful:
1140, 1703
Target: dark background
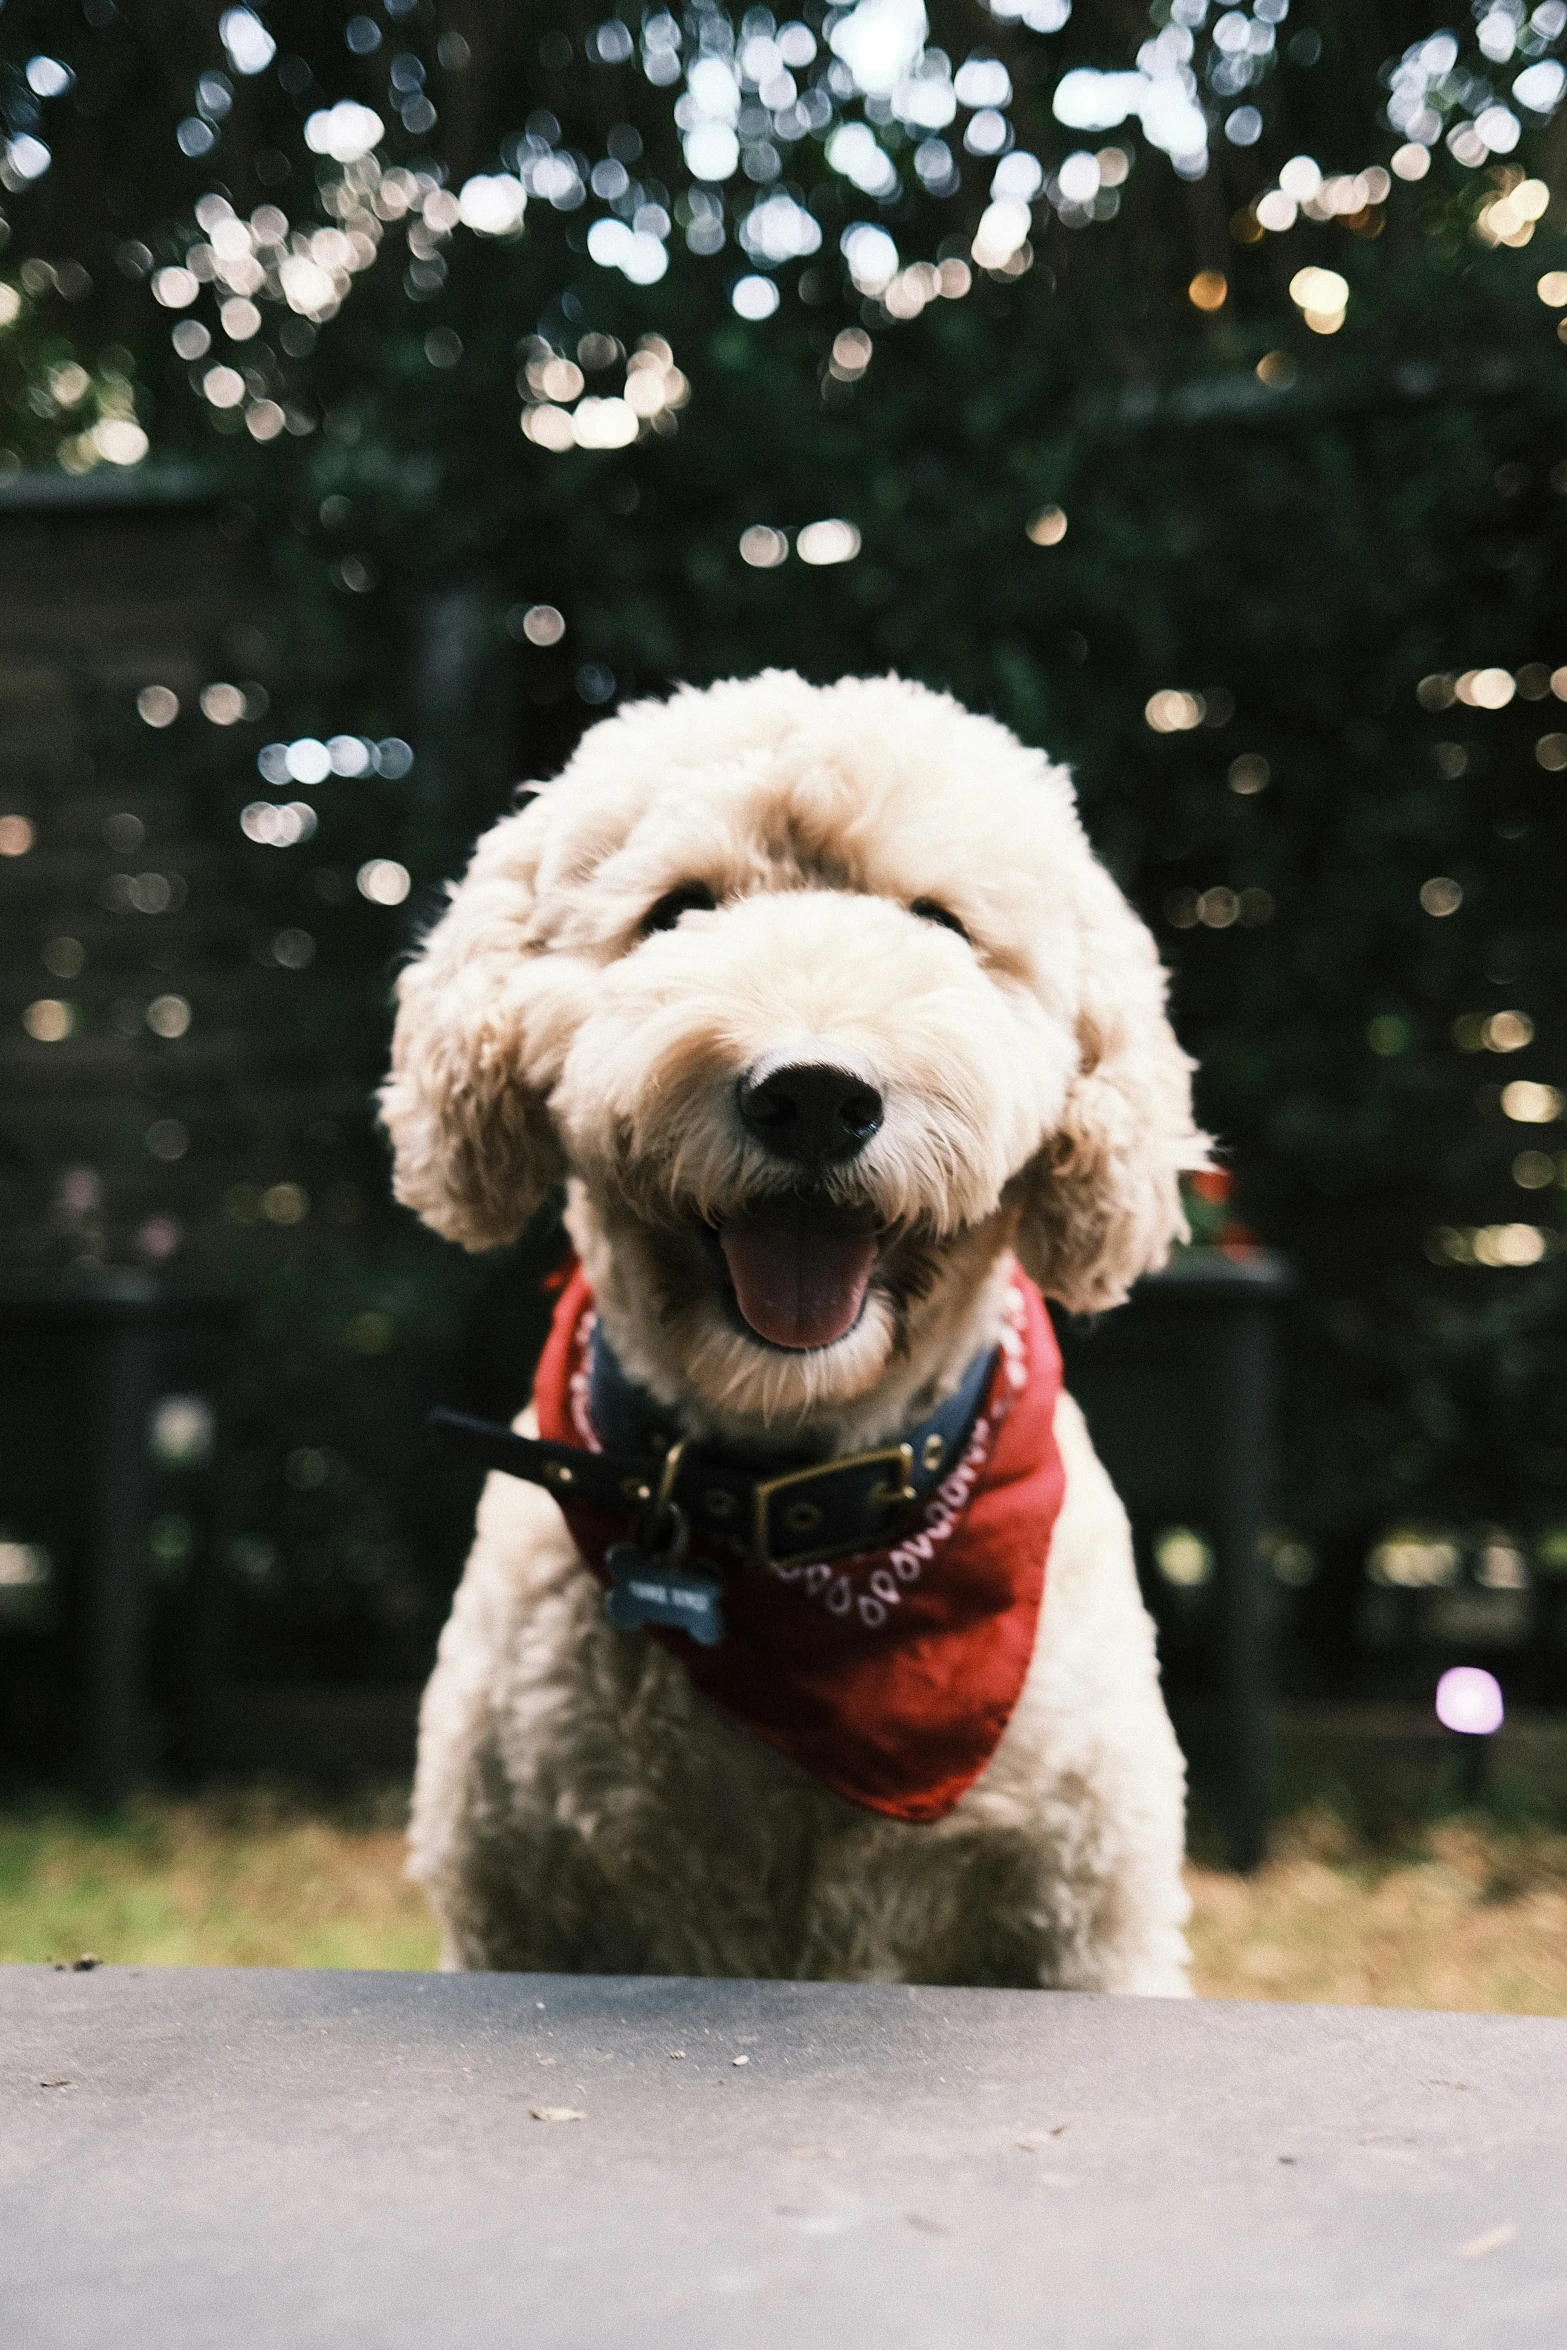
1300, 547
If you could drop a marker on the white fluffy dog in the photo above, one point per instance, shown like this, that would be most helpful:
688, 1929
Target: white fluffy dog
842, 1039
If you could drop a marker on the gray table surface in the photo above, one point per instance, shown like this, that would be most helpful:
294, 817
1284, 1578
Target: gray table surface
193, 2157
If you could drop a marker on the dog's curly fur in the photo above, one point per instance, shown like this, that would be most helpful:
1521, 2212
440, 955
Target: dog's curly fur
578, 1804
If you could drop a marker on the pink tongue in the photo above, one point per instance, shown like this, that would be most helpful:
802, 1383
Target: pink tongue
800, 1280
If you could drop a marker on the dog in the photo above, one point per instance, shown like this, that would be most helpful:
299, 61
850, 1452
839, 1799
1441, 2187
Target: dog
846, 1049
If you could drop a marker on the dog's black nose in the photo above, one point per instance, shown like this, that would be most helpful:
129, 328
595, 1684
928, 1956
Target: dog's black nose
809, 1112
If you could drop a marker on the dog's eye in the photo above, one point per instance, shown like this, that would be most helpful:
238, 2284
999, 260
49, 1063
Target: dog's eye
692, 897
929, 911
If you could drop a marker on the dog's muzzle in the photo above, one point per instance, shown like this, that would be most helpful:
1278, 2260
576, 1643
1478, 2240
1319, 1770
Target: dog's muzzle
798, 1262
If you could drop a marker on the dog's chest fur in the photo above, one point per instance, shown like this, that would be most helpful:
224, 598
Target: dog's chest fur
580, 1807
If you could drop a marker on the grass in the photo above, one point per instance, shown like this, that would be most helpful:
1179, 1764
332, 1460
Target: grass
1464, 1913
240, 1880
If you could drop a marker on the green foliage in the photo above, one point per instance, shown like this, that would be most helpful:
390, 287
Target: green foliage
1295, 527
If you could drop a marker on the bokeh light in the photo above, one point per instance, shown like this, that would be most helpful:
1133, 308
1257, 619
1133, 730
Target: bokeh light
250, 46
492, 205
1469, 1700
168, 1016
542, 624
345, 131
118, 440
1508, 1032
307, 761
755, 298
852, 352
278, 827
1322, 296
222, 704
383, 881
762, 547
1530, 1103
49, 1021
822, 543
1173, 712
223, 387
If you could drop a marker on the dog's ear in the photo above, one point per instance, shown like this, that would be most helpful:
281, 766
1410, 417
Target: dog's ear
1101, 1200
475, 1152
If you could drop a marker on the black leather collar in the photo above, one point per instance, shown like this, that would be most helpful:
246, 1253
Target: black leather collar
773, 1513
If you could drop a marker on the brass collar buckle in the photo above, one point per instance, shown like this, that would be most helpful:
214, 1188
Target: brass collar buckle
801, 1517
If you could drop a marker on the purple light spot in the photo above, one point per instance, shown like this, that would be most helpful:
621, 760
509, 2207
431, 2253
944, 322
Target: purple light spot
1469, 1699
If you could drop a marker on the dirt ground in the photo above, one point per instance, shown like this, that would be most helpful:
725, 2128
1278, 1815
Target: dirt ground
1466, 1913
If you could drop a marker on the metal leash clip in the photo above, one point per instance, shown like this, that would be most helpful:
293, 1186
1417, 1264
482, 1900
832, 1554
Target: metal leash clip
649, 1580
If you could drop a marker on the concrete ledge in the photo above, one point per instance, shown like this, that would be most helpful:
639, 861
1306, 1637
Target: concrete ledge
195, 2158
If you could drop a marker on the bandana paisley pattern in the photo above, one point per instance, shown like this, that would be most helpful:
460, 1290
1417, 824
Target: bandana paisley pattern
891, 1675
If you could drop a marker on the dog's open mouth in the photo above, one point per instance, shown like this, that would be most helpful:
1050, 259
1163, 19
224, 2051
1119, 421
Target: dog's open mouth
800, 1268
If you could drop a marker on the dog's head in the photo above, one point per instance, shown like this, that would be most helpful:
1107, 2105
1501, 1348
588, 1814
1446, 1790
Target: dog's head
821, 996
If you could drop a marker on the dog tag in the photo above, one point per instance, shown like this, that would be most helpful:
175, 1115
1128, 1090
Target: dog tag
647, 1588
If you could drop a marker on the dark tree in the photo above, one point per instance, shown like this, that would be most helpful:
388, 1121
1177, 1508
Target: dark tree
1183, 385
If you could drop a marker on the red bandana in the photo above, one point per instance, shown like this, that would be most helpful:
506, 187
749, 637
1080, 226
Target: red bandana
890, 1675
